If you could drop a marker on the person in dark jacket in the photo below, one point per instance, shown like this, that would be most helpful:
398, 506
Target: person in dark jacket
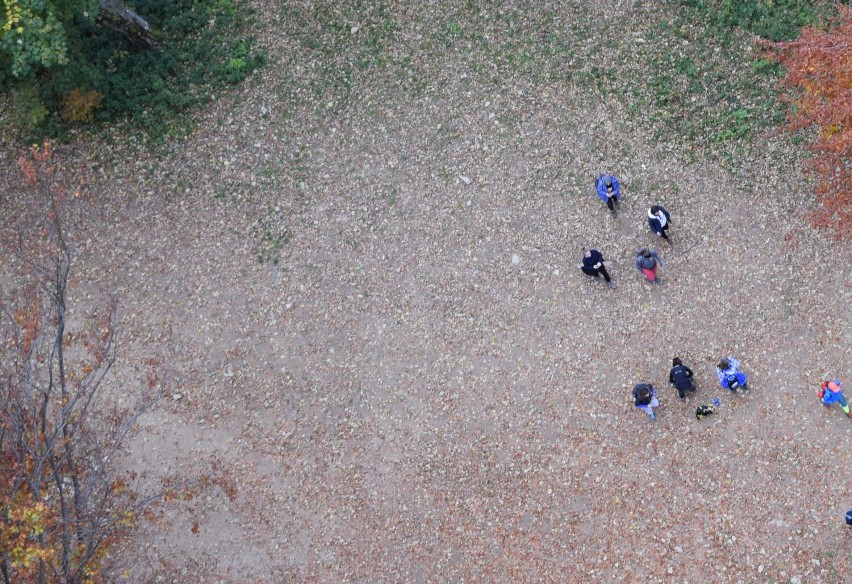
659, 221
593, 265
647, 262
608, 190
644, 398
680, 377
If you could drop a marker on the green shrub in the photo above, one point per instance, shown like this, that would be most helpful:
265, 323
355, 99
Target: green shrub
776, 20
28, 111
206, 47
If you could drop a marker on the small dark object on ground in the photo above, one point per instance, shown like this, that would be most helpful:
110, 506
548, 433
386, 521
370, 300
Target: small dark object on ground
702, 412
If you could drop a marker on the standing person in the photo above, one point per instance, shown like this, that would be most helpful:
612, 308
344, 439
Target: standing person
609, 191
593, 265
830, 392
680, 377
644, 399
730, 376
647, 262
659, 221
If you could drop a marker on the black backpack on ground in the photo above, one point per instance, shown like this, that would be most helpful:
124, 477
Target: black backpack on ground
702, 412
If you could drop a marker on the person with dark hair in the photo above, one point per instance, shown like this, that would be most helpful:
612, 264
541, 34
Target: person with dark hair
647, 262
593, 265
609, 191
659, 221
730, 376
680, 377
644, 398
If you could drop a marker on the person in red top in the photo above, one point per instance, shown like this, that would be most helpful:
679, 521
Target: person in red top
830, 392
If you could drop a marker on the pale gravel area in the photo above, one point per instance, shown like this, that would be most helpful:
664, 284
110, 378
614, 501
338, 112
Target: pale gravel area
398, 401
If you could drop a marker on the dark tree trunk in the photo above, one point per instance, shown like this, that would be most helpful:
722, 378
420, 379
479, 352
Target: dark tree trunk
121, 19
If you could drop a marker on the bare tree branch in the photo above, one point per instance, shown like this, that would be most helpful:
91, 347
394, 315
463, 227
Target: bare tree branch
59, 436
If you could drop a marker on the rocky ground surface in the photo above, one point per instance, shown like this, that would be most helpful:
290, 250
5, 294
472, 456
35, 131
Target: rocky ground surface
370, 306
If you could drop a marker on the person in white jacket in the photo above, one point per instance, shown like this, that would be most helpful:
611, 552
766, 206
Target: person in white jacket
659, 220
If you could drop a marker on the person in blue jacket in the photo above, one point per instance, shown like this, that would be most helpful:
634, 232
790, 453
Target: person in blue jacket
659, 221
593, 265
832, 391
730, 376
609, 191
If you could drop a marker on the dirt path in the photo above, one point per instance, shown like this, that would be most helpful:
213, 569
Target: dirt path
397, 400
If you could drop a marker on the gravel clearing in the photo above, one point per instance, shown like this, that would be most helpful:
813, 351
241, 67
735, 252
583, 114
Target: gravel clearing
415, 383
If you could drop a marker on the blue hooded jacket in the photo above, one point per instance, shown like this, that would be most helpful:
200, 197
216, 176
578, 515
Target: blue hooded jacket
830, 395
602, 190
727, 376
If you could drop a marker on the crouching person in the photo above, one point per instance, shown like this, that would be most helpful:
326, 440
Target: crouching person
680, 377
644, 398
730, 376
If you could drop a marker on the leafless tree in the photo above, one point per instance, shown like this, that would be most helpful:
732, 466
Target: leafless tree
63, 500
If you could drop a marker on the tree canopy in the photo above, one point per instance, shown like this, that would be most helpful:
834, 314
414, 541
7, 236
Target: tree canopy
34, 33
71, 63
819, 77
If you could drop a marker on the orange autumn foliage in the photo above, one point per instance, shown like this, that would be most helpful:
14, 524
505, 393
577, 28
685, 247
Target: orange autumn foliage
25, 526
819, 75
35, 162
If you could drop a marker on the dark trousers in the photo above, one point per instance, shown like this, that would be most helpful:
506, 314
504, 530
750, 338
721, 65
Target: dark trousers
681, 393
663, 231
594, 272
611, 202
